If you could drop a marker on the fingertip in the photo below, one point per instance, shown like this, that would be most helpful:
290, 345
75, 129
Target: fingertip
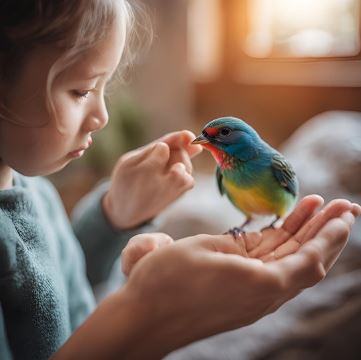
314, 201
356, 209
314, 196
195, 149
304, 210
335, 208
179, 138
309, 201
348, 217
187, 136
340, 203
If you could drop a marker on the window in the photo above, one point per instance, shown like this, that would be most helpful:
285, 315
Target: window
302, 28
297, 42
277, 42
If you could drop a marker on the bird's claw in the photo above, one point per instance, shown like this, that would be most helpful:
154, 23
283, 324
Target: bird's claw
235, 232
272, 225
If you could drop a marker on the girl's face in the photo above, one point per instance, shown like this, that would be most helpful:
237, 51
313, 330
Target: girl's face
78, 97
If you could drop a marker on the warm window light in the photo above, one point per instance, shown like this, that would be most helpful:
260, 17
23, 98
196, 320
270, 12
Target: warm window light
303, 28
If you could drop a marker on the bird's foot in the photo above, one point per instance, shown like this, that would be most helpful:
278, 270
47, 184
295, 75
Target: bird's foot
235, 232
271, 226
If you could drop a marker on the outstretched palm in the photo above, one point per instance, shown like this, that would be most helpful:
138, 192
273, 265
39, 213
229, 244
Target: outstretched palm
299, 227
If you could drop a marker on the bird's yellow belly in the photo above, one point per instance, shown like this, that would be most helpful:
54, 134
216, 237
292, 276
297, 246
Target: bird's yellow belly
255, 200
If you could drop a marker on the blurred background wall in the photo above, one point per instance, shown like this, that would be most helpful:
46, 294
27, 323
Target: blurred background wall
273, 63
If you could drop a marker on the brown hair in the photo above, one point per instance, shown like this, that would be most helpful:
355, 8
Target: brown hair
71, 25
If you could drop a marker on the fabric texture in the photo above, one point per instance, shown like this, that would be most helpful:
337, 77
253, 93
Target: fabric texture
44, 291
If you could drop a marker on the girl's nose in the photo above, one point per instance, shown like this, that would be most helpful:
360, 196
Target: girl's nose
96, 119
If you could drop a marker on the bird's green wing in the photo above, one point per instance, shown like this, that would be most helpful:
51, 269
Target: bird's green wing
219, 178
284, 173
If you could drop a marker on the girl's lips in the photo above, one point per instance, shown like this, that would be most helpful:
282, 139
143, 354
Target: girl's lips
79, 152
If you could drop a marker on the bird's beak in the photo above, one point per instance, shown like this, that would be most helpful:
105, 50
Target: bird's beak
201, 139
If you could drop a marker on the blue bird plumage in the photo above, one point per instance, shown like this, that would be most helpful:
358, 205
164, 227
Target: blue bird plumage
256, 178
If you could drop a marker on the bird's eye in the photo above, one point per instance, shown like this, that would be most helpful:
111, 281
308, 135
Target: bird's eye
225, 131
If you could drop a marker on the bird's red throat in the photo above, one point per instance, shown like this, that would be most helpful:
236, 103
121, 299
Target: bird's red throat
223, 160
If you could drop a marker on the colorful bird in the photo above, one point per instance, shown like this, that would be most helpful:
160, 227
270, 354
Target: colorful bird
256, 178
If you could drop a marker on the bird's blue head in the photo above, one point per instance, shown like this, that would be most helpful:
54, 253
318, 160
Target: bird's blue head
231, 136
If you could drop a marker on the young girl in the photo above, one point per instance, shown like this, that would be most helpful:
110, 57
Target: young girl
55, 61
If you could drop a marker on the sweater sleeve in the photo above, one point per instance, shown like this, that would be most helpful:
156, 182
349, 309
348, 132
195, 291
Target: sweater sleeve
101, 243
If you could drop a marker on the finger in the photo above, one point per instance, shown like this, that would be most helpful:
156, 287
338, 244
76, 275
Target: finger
332, 210
288, 248
266, 248
268, 257
179, 176
348, 217
332, 238
275, 238
182, 139
303, 212
298, 271
194, 149
158, 157
139, 245
225, 244
252, 240
356, 209
180, 155
292, 246
131, 254
309, 265
178, 138
150, 240
134, 157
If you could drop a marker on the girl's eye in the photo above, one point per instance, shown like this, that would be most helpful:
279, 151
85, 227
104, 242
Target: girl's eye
81, 93
225, 131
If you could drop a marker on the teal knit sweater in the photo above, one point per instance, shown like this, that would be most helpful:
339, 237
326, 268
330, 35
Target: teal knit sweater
44, 289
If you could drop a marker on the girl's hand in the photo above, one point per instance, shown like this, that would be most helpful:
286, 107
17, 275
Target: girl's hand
271, 244
146, 180
299, 227
206, 284
203, 285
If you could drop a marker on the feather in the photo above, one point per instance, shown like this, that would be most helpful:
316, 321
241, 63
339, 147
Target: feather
284, 173
219, 178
